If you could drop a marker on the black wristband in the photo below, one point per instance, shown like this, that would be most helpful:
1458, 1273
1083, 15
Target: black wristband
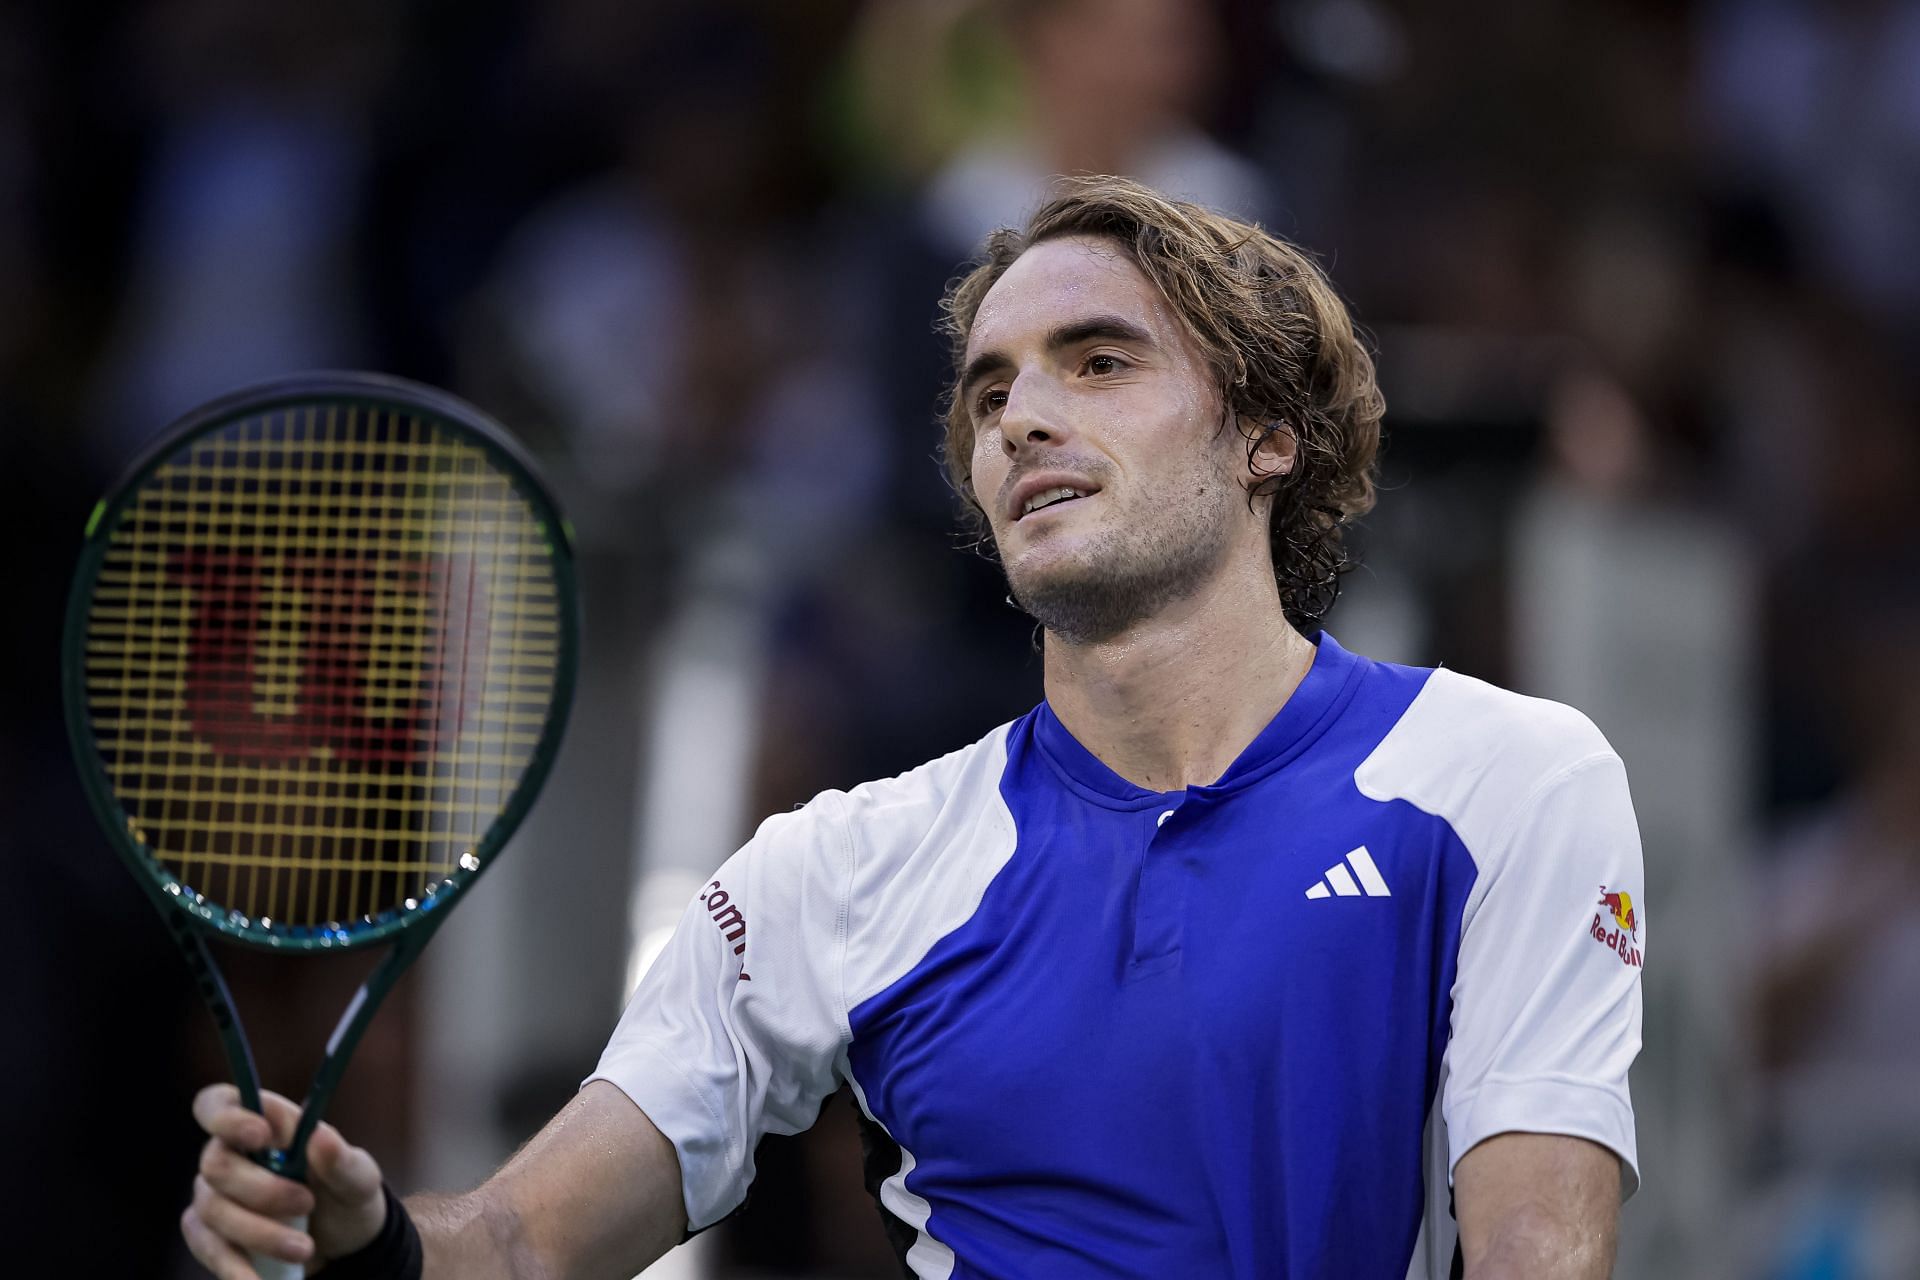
394, 1254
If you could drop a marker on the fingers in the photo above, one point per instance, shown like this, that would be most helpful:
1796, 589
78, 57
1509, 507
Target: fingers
240, 1179
239, 1229
211, 1252
239, 1206
218, 1111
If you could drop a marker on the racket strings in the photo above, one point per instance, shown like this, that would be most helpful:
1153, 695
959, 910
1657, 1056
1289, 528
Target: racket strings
322, 649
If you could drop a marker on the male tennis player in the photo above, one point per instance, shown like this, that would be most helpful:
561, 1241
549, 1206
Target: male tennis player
1240, 956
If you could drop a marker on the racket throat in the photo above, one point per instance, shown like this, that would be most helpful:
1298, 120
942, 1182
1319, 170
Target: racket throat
347, 1019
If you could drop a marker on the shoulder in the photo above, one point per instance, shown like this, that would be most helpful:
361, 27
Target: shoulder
904, 846
897, 814
1477, 755
1471, 721
911, 801
923, 847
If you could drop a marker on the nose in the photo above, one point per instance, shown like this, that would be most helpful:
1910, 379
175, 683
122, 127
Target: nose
1031, 415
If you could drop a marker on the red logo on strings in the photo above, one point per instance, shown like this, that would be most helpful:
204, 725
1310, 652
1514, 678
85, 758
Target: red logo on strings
370, 686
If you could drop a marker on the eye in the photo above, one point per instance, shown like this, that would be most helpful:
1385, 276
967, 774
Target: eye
1099, 366
991, 401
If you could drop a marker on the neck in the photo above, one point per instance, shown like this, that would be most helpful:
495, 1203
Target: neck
1175, 699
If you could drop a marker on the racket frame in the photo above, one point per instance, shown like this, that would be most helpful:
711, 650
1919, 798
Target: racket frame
190, 918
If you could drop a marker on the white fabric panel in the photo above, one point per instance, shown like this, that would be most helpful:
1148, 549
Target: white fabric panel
720, 1048
739, 1028
1546, 1018
928, 844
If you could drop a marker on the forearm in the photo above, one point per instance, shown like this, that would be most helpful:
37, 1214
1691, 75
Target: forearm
1532, 1243
593, 1196
1538, 1207
475, 1236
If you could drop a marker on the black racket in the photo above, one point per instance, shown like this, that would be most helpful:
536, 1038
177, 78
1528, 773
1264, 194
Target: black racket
318, 657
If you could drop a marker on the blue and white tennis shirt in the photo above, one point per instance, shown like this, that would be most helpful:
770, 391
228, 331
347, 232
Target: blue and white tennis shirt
1240, 1030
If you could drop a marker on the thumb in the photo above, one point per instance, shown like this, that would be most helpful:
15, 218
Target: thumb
351, 1205
346, 1172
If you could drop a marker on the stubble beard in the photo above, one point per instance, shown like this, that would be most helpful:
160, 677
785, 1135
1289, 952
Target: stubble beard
1130, 573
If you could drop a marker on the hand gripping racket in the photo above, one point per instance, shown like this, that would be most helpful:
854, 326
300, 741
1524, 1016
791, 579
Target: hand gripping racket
318, 657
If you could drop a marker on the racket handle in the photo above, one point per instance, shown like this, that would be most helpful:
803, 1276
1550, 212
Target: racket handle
279, 1268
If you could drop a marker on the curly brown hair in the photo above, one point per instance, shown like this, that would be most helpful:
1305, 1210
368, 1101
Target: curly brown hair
1267, 321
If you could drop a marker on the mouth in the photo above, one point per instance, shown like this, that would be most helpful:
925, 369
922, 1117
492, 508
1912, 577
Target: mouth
1049, 497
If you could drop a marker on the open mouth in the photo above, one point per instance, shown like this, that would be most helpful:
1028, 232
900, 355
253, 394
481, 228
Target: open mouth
1055, 497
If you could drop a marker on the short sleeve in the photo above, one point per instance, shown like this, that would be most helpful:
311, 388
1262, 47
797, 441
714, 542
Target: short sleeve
1546, 997
736, 1029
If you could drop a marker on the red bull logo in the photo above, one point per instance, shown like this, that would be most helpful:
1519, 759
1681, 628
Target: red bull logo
1621, 905
1625, 930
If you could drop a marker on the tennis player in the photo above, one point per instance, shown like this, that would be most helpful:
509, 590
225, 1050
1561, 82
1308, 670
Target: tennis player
1239, 956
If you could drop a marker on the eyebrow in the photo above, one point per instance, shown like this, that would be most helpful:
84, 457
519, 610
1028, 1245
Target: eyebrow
1111, 328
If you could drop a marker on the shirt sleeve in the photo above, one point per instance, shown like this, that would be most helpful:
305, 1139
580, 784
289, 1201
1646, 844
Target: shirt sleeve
736, 1029
1546, 996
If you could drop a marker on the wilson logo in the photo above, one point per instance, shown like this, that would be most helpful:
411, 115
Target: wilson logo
308, 653
727, 917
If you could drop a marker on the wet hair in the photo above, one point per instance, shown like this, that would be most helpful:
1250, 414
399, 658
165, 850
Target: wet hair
1277, 338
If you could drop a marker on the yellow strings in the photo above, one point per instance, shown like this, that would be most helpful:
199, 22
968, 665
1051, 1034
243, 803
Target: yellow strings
320, 654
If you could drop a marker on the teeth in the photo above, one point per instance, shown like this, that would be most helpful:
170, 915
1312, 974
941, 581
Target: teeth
1039, 500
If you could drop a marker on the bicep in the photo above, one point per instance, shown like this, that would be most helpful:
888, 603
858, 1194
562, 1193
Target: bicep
597, 1191
1538, 1205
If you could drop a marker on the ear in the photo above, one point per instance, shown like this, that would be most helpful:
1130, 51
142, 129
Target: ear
1274, 450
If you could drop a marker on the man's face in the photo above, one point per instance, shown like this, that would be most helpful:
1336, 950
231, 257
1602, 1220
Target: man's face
1080, 377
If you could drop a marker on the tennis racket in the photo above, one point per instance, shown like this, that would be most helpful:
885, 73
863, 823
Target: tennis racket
317, 661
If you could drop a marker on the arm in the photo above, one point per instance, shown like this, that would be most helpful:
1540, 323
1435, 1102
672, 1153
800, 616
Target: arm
1537, 1206
1545, 1010
1546, 1016
595, 1193
704, 1052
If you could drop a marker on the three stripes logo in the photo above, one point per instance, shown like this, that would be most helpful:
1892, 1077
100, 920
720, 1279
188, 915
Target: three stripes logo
1364, 880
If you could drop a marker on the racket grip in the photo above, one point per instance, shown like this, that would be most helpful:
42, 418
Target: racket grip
279, 1268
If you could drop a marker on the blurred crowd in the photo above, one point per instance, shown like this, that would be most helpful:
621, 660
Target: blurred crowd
1652, 255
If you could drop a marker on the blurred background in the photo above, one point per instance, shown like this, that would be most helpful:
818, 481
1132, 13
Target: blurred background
1644, 278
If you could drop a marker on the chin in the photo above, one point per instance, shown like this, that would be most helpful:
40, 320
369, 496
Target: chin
1091, 588
1050, 567
1079, 598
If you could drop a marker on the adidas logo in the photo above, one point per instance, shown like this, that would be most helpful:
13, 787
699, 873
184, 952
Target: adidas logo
1370, 884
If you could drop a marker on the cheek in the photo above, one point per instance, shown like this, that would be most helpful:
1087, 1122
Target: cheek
1187, 447
987, 466
986, 479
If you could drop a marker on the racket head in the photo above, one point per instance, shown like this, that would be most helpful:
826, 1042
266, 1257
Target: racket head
318, 658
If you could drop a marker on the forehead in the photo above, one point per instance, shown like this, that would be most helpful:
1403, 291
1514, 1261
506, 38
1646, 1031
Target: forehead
1058, 281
